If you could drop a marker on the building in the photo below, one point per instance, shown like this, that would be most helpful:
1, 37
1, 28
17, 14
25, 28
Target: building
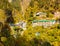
45, 23
57, 14
21, 24
40, 14
57, 17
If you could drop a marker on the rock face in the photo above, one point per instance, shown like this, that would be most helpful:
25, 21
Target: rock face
24, 5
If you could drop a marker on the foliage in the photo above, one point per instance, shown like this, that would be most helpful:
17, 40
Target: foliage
10, 14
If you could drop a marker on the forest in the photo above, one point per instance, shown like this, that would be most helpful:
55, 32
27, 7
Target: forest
16, 19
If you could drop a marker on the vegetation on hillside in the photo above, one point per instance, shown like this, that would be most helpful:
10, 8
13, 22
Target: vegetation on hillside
11, 13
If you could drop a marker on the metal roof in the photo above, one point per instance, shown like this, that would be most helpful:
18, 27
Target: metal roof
43, 20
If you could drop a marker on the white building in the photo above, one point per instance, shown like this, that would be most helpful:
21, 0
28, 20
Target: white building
21, 24
57, 14
41, 14
45, 23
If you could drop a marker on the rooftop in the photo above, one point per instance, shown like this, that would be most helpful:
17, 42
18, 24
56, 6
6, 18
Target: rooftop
43, 20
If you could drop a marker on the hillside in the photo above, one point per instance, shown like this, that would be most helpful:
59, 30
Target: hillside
24, 5
29, 22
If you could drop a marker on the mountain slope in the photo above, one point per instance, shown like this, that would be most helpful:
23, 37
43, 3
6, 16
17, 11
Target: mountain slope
24, 5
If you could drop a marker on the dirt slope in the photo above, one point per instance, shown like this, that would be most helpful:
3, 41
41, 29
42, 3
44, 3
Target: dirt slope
24, 5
